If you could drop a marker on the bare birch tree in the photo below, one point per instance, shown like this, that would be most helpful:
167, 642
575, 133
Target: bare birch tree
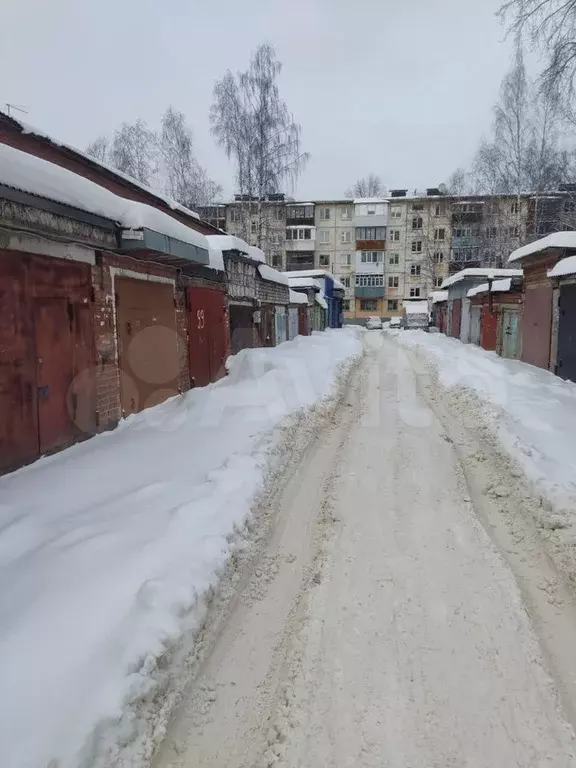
369, 186
99, 149
258, 133
550, 26
187, 181
134, 151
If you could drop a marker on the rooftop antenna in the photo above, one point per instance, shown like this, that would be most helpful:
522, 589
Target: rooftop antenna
17, 107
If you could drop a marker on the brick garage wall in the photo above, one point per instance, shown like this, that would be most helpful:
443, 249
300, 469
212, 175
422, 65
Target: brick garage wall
107, 377
272, 293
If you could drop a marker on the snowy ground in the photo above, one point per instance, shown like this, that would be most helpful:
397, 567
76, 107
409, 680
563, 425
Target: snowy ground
533, 411
108, 550
402, 614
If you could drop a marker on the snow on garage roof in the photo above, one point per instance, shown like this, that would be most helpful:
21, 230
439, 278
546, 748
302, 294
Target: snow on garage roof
256, 253
486, 272
498, 286
36, 176
416, 307
229, 243
319, 273
298, 298
302, 282
33, 131
555, 240
438, 296
272, 275
321, 300
564, 267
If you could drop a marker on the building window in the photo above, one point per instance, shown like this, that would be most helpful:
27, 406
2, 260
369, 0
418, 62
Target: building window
325, 236
346, 237
466, 232
438, 281
492, 232
278, 213
414, 293
345, 213
345, 280
346, 305
276, 260
395, 212
235, 214
394, 259
370, 233
438, 257
415, 269
346, 259
439, 209
325, 214
392, 305
300, 212
275, 239
569, 206
417, 222
254, 227
417, 246
371, 257
369, 281
393, 282
298, 234
324, 260
394, 235
417, 206
514, 207
368, 305
440, 233
513, 231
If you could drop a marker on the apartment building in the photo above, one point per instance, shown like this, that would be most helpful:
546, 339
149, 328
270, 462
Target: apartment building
335, 243
389, 250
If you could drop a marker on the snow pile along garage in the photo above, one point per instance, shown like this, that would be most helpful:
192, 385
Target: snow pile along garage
108, 549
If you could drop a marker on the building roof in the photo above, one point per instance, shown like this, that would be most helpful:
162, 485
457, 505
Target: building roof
498, 286
297, 298
555, 240
26, 128
481, 272
360, 200
438, 296
272, 275
564, 267
28, 173
233, 243
302, 282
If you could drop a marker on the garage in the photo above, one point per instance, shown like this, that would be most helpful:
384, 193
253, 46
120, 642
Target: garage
207, 334
148, 357
46, 356
241, 327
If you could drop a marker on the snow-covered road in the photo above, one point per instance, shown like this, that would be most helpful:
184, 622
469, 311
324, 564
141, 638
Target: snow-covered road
384, 627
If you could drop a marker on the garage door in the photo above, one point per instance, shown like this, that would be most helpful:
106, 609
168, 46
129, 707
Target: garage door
566, 366
207, 330
147, 343
537, 326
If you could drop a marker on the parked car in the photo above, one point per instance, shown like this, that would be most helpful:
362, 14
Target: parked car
374, 324
395, 322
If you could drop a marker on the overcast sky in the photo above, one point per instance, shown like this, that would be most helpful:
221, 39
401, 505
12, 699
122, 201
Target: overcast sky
403, 88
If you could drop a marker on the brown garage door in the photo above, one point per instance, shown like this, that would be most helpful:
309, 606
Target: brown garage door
147, 343
537, 326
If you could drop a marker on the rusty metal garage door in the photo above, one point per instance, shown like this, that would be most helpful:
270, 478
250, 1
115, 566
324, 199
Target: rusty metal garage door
537, 326
147, 343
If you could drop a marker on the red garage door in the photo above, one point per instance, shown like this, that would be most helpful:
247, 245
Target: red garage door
207, 329
489, 328
537, 326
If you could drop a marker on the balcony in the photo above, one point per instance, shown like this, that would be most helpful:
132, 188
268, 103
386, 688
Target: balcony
296, 261
370, 245
369, 291
300, 215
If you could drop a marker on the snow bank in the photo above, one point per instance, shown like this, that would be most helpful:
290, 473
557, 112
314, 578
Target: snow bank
534, 411
555, 240
564, 267
272, 275
40, 177
298, 298
416, 307
108, 548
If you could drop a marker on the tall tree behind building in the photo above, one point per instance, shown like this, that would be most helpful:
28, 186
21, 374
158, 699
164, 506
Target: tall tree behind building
252, 123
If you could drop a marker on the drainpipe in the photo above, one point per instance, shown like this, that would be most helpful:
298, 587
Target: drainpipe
490, 302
